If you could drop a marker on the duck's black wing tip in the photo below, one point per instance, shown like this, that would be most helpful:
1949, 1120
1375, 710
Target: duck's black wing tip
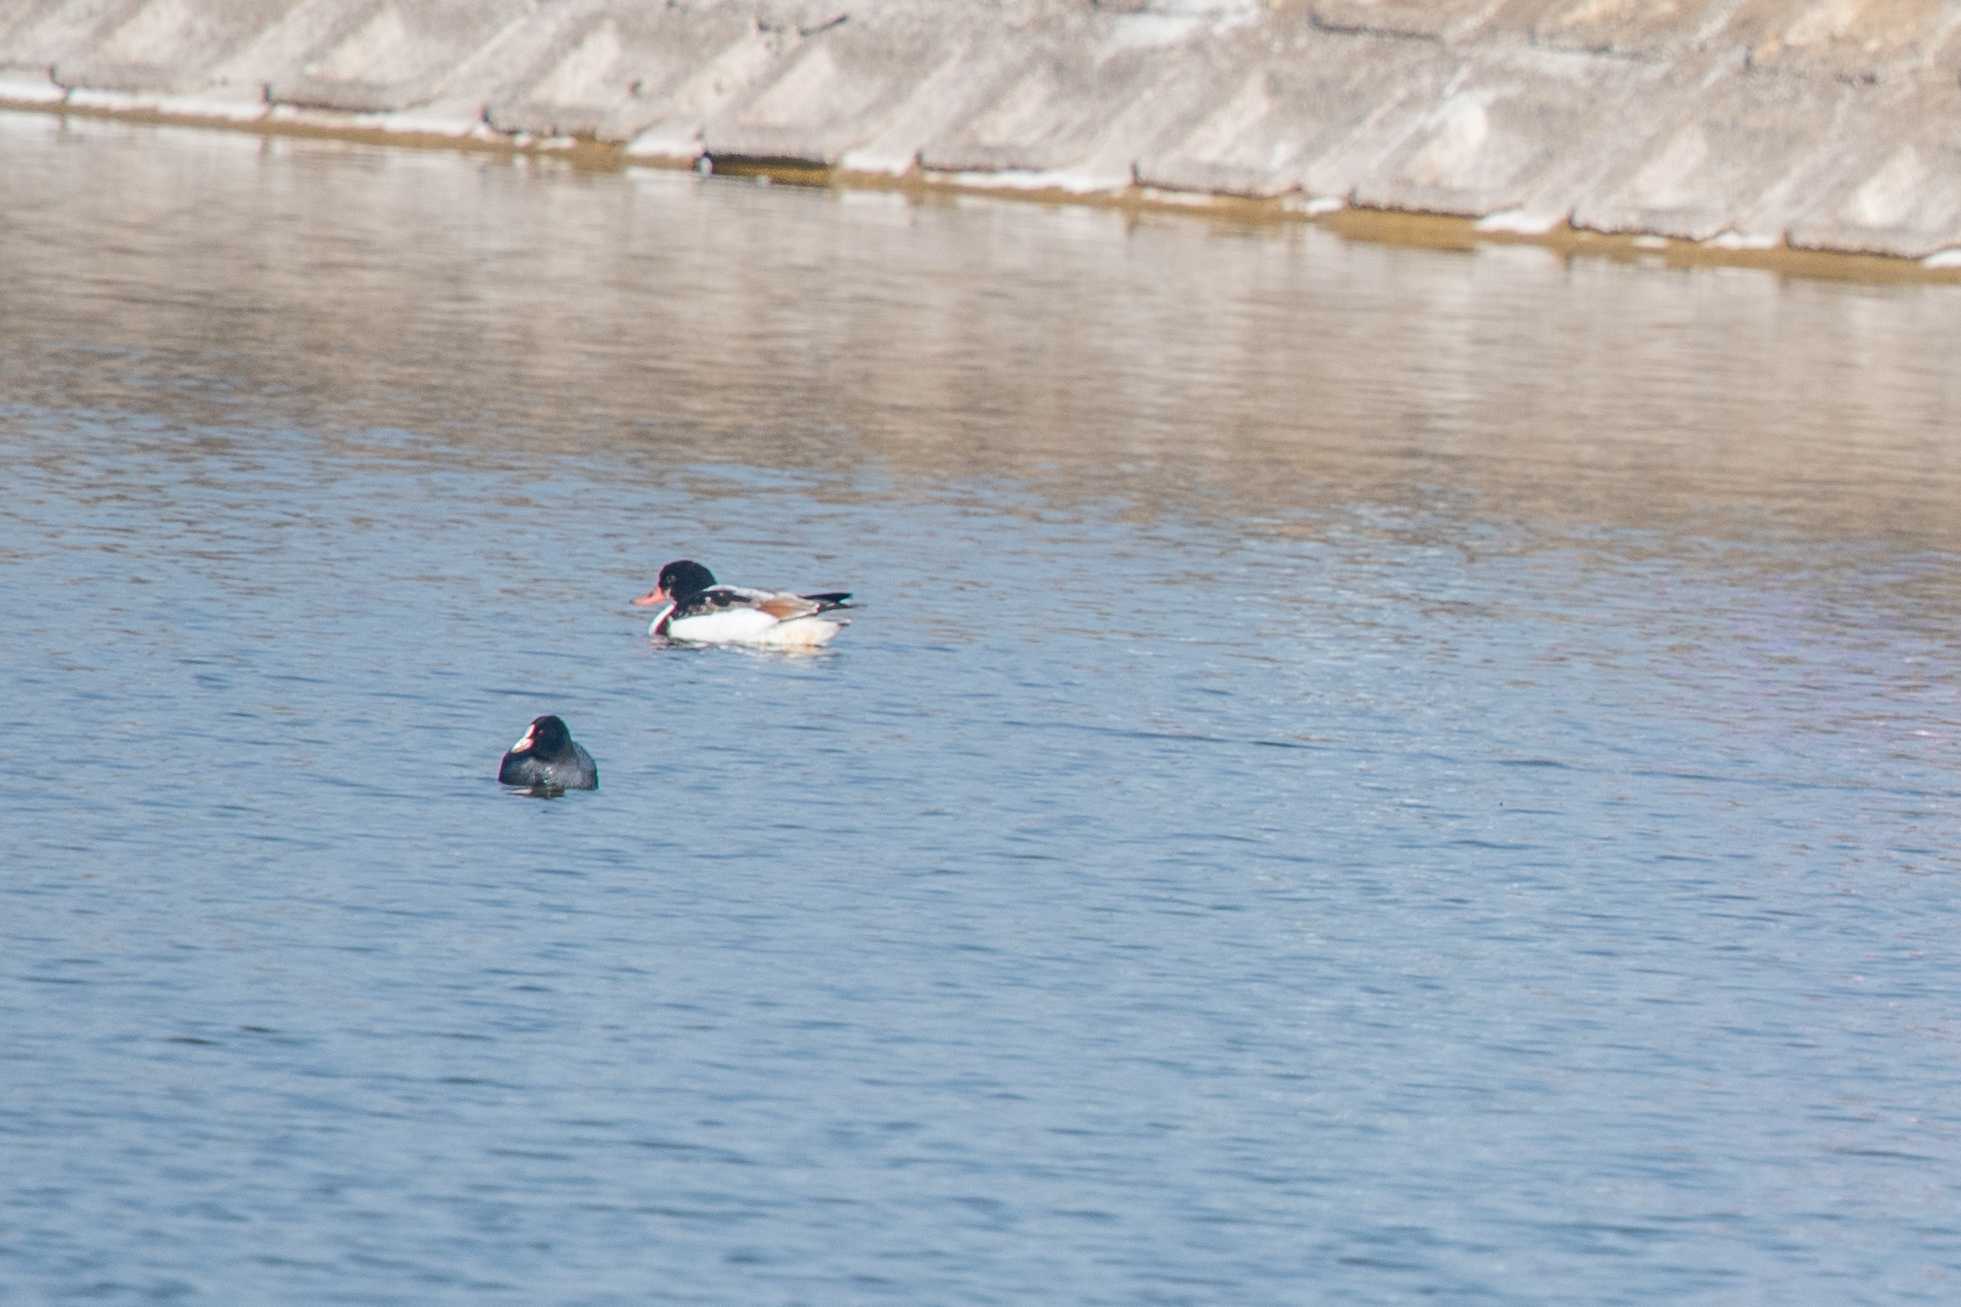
831, 599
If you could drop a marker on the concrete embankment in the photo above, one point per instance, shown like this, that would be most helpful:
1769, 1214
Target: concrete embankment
1730, 124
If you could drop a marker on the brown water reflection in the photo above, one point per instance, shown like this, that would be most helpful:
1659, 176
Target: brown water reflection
1169, 364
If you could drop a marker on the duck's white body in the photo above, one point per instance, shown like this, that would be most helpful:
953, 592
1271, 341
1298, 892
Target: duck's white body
745, 624
694, 608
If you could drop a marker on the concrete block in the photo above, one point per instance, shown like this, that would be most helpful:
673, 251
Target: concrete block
44, 31
1283, 106
577, 83
701, 80
392, 56
1073, 105
1520, 132
280, 49
1375, 91
852, 85
1895, 189
1248, 129
948, 88
607, 72
924, 109
149, 48
16, 15
1031, 105
1739, 154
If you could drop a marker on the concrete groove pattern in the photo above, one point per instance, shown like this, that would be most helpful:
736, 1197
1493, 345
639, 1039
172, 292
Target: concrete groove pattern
1828, 126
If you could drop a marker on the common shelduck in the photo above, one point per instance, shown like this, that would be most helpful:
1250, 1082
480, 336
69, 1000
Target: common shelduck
547, 757
693, 607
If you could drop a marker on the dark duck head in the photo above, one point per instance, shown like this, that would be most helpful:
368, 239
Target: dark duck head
547, 757
678, 580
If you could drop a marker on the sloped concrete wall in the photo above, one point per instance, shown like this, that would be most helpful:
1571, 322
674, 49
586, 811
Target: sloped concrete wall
1832, 125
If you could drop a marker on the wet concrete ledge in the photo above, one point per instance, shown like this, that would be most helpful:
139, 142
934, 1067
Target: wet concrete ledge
1731, 127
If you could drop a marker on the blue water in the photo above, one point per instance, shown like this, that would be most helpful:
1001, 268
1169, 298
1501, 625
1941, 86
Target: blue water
1360, 774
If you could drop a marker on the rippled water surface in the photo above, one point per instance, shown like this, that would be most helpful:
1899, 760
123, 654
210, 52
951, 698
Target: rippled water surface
1362, 774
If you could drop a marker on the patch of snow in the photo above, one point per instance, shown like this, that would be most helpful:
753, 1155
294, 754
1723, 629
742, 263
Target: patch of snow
22, 89
1520, 222
1737, 240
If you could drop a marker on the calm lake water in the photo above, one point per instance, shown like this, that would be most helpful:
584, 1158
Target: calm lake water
1362, 774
